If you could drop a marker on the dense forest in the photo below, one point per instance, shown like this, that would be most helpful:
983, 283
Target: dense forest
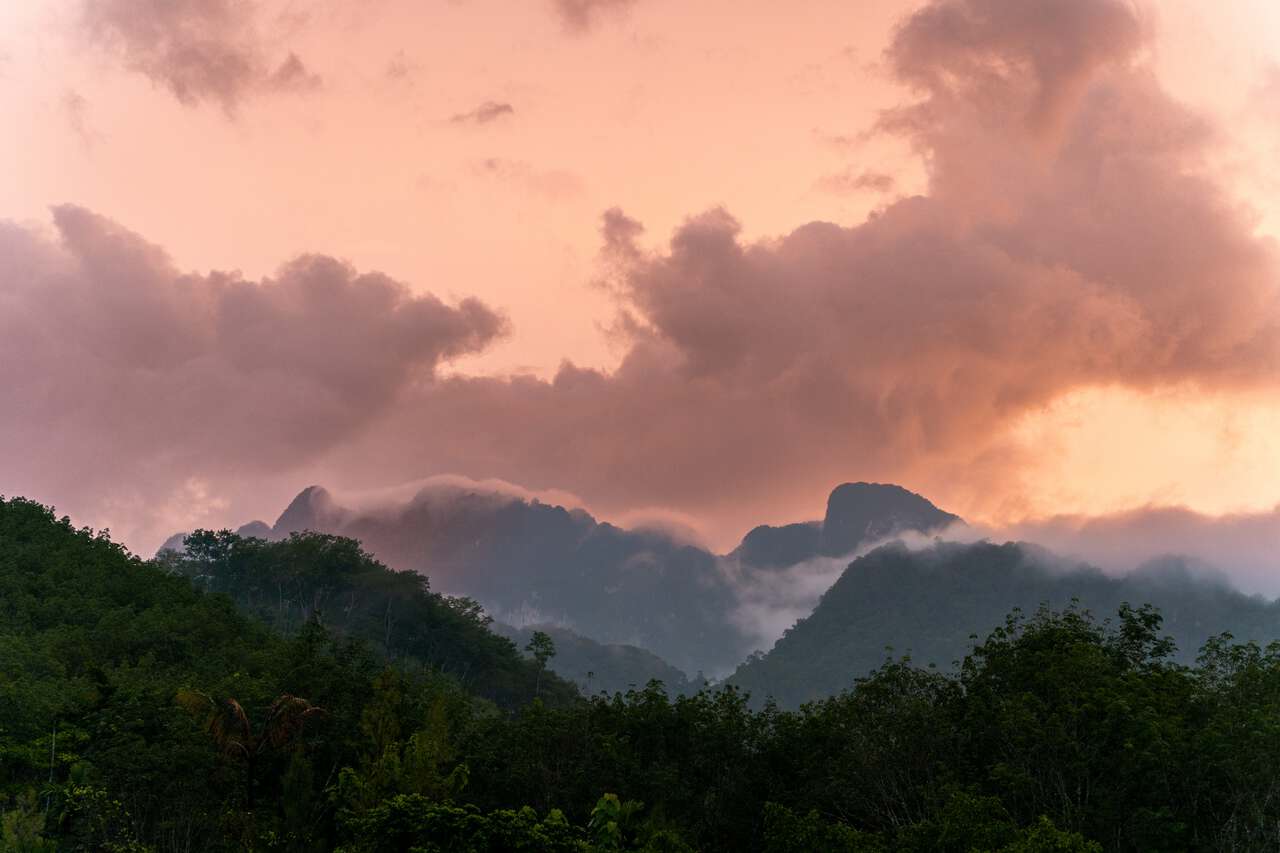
298, 695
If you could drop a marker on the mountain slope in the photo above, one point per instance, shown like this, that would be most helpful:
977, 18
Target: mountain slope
929, 603
529, 562
334, 581
603, 667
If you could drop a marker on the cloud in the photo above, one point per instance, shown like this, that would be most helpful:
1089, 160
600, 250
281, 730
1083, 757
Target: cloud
769, 601
487, 112
551, 184
1246, 546
1043, 55
129, 387
579, 16
75, 107
444, 487
846, 182
200, 50
402, 69
1068, 239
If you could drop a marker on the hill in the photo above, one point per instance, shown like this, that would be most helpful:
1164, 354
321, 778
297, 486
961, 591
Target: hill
333, 581
930, 604
98, 650
603, 667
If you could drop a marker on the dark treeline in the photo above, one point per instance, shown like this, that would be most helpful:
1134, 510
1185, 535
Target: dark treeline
140, 709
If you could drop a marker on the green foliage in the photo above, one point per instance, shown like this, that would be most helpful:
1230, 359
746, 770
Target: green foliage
22, 824
140, 709
541, 647
331, 581
413, 822
90, 819
1044, 837
785, 831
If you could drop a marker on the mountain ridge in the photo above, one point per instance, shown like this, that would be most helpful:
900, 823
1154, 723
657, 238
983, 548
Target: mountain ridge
531, 562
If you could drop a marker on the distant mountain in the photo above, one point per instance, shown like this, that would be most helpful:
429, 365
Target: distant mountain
531, 562
930, 603
858, 514
256, 529
603, 667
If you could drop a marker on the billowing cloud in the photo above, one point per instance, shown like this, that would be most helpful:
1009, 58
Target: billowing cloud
484, 114
200, 50
125, 381
579, 16
1069, 238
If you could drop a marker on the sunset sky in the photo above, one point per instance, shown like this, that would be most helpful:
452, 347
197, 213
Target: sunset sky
696, 260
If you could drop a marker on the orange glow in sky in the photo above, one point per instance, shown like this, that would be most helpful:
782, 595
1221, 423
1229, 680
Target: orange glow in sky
660, 108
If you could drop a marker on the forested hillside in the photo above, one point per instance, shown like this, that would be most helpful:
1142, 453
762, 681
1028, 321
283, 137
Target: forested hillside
528, 561
933, 604
603, 667
141, 711
331, 580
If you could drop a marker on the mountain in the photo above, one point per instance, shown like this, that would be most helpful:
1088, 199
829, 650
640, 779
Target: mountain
930, 604
603, 667
858, 514
529, 562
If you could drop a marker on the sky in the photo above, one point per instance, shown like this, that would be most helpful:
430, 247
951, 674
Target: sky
700, 261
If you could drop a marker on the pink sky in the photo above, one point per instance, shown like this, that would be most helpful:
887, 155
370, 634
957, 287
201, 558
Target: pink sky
1003, 334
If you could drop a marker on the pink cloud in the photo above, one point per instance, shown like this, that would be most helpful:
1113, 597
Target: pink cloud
579, 16
121, 373
200, 50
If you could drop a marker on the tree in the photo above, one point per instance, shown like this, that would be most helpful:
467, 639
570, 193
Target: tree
543, 649
229, 726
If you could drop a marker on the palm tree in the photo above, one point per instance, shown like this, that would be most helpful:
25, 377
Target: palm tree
229, 726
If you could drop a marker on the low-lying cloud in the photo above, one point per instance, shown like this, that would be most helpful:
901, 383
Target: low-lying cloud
1244, 546
771, 600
